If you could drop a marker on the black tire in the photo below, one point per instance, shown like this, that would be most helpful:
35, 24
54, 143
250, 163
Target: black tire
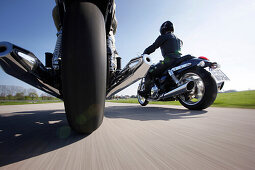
143, 101
84, 66
210, 90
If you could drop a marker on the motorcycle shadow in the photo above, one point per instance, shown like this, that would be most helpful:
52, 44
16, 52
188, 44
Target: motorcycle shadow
25, 135
150, 113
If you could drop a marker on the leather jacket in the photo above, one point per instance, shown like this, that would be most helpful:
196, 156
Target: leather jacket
169, 44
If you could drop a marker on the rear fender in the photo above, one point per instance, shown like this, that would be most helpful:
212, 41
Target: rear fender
195, 62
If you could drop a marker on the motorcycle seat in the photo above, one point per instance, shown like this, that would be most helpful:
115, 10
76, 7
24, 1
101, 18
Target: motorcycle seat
178, 62
182, 59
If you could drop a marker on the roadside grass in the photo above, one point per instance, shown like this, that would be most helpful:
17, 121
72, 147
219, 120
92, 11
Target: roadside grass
244, 99
22, 102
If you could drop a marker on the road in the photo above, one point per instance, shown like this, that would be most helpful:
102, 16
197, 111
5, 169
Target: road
131, 137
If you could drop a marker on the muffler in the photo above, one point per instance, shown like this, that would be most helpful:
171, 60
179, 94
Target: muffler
134, 71
179, 90
25, 66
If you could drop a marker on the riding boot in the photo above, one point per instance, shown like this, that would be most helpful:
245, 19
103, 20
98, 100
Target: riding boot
147, 87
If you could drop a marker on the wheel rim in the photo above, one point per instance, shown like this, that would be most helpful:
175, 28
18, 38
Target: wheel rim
197, 93
141, 99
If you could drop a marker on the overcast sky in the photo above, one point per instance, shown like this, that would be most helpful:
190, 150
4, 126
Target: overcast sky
222, 30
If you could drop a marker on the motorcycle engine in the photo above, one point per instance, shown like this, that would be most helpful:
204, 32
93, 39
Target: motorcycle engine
154, 92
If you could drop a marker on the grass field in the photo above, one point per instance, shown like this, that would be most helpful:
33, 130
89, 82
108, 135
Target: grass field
245, 99
16, 102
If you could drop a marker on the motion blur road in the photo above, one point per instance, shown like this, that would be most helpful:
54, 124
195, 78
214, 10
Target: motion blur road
131, 137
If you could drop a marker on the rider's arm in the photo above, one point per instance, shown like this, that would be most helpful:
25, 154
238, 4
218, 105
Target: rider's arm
159, 41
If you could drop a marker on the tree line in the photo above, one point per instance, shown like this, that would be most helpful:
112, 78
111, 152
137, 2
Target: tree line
8, 92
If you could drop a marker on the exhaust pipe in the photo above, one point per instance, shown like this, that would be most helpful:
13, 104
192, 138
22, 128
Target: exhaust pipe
134, 71
179, 90
25, 66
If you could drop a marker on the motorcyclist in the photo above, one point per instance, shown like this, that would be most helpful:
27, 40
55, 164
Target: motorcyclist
111, 48
170, 47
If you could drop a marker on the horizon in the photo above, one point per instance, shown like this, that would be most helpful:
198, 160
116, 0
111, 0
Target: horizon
20, 89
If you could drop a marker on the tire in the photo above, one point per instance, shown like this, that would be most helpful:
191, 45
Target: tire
84, 66
143, 101
204, 98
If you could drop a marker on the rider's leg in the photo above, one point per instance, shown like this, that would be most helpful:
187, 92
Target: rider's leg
163, 65
149, 78
55, 15
153, 72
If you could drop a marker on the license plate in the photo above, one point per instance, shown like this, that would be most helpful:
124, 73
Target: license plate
219, 75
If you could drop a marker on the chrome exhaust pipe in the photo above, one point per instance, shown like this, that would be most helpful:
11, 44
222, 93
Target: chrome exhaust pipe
179, 90
25, 66
134, 71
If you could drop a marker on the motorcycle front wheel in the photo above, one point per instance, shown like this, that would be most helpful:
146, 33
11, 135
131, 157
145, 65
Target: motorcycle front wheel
204, 92
84, 66
142, 100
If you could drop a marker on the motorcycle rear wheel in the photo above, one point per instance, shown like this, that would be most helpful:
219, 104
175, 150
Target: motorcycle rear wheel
204, 92
84, 66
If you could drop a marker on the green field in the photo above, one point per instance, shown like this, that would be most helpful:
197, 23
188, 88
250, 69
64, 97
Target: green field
244, 99
16, 102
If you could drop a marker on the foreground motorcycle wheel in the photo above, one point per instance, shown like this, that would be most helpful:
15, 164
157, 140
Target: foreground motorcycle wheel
204, 92
84, 66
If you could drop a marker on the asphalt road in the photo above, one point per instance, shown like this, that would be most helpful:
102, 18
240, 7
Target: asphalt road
131, 137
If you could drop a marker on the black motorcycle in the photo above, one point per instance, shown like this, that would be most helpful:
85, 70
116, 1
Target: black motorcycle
78, 72
194, 82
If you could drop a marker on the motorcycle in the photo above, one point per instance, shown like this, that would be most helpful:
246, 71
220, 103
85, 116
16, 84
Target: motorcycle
194, 82
78, 72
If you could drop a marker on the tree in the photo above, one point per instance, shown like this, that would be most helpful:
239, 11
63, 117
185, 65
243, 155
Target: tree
46, 96
19, 96
2, 97
9, 97
30, 91
3, 90
33, 95
133, 96
6, 90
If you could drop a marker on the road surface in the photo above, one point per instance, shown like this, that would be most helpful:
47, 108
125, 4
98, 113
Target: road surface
131, 137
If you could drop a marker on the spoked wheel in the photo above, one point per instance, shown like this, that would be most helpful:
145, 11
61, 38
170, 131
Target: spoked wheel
204, 92
84, 66
142, 100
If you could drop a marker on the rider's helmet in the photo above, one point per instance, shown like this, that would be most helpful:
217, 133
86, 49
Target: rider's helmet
166, 27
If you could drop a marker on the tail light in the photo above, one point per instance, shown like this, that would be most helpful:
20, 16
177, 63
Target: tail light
203, 58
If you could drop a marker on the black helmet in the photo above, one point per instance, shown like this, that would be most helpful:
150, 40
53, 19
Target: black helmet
166, 27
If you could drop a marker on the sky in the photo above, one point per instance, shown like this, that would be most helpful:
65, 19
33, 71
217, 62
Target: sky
222, 30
